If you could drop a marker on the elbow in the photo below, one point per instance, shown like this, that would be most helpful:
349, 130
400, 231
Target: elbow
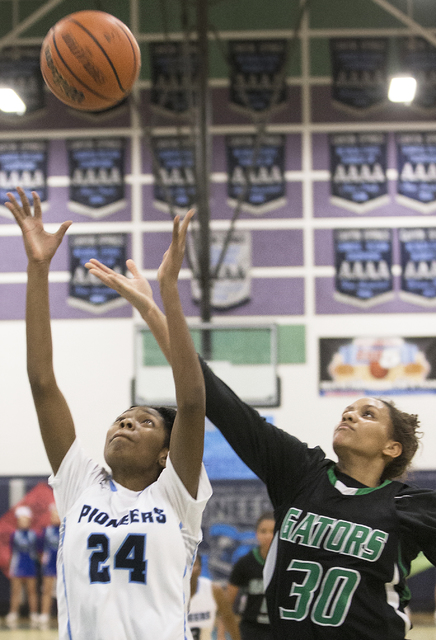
41, 384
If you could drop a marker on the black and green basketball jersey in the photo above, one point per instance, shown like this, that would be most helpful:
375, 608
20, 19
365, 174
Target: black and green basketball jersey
338, 563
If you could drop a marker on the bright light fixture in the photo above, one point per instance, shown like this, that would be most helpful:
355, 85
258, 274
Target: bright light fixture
402, 89
10, 102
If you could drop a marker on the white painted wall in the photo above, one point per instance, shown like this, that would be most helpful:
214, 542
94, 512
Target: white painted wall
94, 363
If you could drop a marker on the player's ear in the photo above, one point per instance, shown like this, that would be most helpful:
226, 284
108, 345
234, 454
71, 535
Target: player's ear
393, 449
163, 457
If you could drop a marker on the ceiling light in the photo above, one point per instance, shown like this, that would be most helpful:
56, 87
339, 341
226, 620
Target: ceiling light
10, 102
402, 89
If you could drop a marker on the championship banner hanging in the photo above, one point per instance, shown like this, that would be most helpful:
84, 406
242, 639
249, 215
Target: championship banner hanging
359, 67
358, 166
418, 57
96, 168
232, 287
174, 179
86, 291
174, 67
418, 266
416, 158
377, 366
363, 263
23, 164
257, 78
256, 172
20, 70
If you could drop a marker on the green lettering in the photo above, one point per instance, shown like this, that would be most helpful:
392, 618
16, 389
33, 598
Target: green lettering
356, 539
337, 536
302, 532
320, 527
289, 522
375, 545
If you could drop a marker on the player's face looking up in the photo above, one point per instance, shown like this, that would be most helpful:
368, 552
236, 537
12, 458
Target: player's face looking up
135, 443
365, 430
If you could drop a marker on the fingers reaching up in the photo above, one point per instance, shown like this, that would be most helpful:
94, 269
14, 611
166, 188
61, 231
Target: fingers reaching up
39, 244
173, 258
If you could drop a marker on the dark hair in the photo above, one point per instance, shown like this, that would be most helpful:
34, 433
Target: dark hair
405, 431
168, 416
267, 515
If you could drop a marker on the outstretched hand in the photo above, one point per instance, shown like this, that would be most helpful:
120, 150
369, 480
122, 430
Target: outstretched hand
39, 244
172, 261
136, 290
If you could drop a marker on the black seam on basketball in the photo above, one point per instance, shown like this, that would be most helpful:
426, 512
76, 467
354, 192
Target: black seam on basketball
99, 95
128, 34
78, 24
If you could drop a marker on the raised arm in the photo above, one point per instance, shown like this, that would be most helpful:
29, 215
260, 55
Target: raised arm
138, 292
55, 421
187, 438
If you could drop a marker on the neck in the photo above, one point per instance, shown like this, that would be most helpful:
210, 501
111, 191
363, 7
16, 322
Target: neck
362, 471
134, 481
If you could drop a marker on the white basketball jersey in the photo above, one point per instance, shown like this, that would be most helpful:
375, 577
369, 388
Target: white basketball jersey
202, 610
125, 557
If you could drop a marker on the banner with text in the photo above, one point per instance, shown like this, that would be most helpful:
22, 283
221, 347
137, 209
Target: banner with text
358, 165
256, 172
360, 73
418, 266
257, 78
86, 291
20, 70
23, 164
174, 179
418, 57
96, 168
232, 287
363, 263
416, 158
174, 67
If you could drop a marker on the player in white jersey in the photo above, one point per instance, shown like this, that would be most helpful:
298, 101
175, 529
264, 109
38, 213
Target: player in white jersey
208, 600
128, 539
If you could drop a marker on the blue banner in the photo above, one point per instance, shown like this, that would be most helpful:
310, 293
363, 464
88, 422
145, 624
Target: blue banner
86, 291
174, 177
416, 158
23, 164
256, 172
20, 70
358, 165
363, 263
418, 57
174, 67
257, 78
418, 266
360, 75
96, 168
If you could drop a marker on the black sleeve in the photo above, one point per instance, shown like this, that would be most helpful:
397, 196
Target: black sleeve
416, 509
277, 458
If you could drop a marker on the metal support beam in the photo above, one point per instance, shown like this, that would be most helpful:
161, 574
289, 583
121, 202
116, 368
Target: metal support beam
202, 161
417, 28
10, 37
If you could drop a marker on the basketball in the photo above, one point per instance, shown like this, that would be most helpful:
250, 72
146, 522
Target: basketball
90, 60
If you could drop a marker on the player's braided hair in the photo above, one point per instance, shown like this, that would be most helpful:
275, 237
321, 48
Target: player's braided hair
405, 431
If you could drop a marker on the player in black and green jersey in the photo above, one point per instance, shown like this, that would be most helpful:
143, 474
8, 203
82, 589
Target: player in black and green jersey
346, 532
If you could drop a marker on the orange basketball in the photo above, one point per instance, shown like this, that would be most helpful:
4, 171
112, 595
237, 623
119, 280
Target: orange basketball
90, 60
